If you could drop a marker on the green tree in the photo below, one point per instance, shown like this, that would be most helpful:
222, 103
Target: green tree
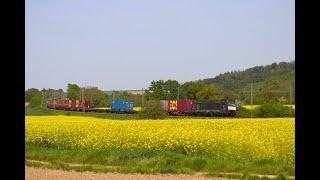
190, 89
30, 93
60, 93
53, 93
274, 65
156, 90
152, 110
171, 89
136, 98
97, 97
36, 100
73, 91
257, 99
208, 92
123, 95
230, 95
163, 90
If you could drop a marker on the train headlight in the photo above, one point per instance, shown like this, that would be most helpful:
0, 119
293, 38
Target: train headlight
232, 108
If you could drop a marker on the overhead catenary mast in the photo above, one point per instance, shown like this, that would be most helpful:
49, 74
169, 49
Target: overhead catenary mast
42, 102
82, 100
251, 99
54, 101
178, 92
142, 100
290, 98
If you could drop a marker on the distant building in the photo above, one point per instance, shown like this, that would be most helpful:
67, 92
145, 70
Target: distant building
135, 92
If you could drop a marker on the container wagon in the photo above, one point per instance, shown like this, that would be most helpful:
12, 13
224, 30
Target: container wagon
66, 104
180, 107
122, 106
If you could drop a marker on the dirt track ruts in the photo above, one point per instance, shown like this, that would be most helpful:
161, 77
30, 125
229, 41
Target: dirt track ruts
49, 174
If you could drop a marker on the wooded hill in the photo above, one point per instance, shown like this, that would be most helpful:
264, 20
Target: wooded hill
270, 83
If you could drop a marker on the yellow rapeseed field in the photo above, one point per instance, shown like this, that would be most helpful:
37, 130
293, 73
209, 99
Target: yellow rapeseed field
255, 106
251, 139
137, 108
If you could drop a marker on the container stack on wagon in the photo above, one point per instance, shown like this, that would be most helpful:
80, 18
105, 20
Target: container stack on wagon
178, 107
164, 105
66, 104
122, 106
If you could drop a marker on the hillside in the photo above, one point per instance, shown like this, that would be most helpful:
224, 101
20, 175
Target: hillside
270, 83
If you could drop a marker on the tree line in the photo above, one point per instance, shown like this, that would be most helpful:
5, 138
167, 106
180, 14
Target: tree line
271, 84
158, 90
196, 90
97, 97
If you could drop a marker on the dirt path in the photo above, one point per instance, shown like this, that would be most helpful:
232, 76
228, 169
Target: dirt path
48, 174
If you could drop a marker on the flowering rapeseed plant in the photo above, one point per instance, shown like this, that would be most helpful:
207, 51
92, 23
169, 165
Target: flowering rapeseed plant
251, 139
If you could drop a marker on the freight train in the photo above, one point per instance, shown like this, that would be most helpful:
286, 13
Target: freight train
214, 108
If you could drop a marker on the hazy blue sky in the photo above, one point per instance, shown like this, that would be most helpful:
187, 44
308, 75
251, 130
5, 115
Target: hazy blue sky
125, 44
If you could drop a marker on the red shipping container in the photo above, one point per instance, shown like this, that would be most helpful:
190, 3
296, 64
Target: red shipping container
77, 103
86, 104
185, 105
49, 103
69, 104
65, 103
165, 105
54, 103
73, 104
173, 105
59, 104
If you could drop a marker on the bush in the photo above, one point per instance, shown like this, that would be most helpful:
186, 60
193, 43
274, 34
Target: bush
152, 110
266, 111
243, 112
67, 114
35, 101
273, 110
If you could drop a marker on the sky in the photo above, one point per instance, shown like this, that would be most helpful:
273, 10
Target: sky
125, 44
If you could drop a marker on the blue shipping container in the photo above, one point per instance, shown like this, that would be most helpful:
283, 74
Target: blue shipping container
121, 105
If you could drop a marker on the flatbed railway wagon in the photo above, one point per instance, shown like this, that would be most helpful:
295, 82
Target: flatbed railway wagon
117, 106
